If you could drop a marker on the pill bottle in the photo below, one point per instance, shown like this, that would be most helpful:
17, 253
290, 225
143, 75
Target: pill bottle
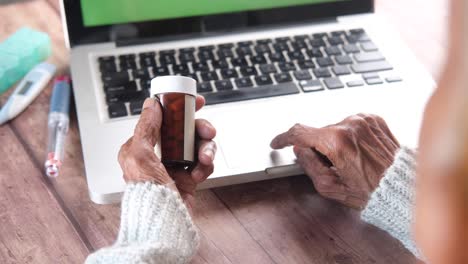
177, 96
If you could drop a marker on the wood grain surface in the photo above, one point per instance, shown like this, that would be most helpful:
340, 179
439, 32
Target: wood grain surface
279, 221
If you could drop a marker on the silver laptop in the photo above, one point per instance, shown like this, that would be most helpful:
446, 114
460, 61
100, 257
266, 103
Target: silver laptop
261, 65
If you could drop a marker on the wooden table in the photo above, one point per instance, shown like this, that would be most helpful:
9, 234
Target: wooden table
278, 221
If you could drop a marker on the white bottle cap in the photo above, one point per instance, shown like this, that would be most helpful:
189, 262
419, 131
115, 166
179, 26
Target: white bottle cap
173, 84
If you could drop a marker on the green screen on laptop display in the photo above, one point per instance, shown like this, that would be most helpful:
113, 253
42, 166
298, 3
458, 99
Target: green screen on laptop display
107, 12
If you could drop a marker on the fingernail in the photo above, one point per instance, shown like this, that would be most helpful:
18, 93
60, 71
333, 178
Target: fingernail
149, 102
296, 150
209, 153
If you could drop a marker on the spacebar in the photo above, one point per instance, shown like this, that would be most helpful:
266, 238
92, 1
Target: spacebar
251, 93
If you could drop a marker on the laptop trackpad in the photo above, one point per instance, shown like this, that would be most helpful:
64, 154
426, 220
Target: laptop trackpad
245, 142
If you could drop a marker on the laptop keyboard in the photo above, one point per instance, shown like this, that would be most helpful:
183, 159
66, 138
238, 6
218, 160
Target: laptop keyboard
248, 69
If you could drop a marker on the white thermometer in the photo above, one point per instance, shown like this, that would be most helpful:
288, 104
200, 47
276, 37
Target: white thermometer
27, 90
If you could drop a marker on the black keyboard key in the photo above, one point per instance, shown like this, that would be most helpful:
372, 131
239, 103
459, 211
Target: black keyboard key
248, 94
302, 75
317, 43
141, 73
282, 39
357, 31
258, 59
209, 76
343, 59
200, 66
244, 82
336, 40
351, 48
114, 97
166, 59
333, 83
207, 47
229, 73
369, 46
241, 62
106, 59
130, 57
129, 86
277, 57
187, 50
307, 64
315, 53
298, 45
204, 87
319, 35
220, 64
145, 83
301, 37
267, 68
244, 51
374, 81
226, 46
160, 71
264, 41
325, 62
371, 66
167, 52
333, 50
115, 78
282, 77
311, 86
117, 110
338, 33
205, 55
186, 57
279, 47
107, 67
296, 55
225, 53
263, 80
223, 85
248, 71
287, 66
368, 56
341, 70
180, 69
146, 62
245, 43
322, 73
136, 107
128, 64
262, 48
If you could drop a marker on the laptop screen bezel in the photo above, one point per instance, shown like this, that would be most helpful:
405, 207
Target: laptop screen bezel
79, 34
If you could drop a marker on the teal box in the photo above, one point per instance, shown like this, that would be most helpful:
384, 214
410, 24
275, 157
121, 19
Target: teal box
20, 53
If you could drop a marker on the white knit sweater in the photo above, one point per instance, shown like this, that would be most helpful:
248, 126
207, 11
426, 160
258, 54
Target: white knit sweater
157, 228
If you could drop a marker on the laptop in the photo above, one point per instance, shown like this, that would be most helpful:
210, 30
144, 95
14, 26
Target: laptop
262, 66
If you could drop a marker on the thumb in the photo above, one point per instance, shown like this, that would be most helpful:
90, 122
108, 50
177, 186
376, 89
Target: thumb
149, 125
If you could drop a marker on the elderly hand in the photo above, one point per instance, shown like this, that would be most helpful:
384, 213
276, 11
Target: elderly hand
345, 161
140, 163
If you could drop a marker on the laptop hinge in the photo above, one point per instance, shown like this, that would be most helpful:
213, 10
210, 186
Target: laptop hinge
122, 36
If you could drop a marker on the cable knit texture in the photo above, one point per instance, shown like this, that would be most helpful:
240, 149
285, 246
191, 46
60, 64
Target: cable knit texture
155, 227
391, 205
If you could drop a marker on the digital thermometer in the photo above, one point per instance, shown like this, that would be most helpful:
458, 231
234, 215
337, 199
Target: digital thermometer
27, 90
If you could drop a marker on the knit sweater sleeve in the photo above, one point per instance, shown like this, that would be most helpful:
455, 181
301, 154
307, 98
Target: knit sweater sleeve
391, 205
155, 228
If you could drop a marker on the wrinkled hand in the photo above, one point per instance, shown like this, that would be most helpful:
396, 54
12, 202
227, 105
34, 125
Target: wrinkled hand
139, 162
345, 161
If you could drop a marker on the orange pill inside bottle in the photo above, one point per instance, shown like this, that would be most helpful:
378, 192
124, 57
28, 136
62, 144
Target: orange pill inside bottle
177, 96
